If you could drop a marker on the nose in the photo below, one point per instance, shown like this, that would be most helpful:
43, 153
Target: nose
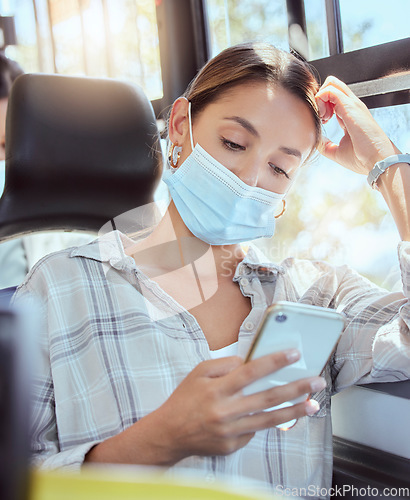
248, 173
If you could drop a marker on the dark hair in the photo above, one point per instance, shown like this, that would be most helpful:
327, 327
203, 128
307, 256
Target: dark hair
249, 62
9, 71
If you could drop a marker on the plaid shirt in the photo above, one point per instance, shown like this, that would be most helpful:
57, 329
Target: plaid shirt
105, 362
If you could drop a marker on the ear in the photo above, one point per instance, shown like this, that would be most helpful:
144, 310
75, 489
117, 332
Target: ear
178, 127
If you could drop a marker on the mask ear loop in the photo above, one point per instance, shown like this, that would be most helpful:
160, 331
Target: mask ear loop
191, 135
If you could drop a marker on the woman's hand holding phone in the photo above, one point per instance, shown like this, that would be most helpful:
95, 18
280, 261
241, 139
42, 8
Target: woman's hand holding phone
209, 415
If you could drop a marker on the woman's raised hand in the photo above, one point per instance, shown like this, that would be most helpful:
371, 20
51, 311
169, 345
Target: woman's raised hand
364, 142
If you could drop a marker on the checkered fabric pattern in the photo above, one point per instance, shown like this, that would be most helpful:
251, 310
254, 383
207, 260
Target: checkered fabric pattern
108, 357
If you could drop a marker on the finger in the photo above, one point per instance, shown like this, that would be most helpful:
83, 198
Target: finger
267, 419
328, 149
345, 107
325, 109
341, 122
277, 395
332, 81
257, 368
330, 94
322, 97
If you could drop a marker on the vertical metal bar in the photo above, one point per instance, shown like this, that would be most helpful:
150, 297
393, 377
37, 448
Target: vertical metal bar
183, 44
53, 43
108, 41
297, 30
334, 27
83, 36
201, 35
39, 39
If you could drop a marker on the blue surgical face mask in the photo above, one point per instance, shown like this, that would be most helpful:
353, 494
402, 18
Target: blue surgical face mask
217, 206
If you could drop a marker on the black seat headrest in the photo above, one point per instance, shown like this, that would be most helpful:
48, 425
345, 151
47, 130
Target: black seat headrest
79, 151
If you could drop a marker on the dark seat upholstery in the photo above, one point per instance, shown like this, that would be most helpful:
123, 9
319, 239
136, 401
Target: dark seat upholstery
79, 152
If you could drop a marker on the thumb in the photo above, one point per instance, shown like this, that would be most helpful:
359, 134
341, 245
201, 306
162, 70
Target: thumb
328, 148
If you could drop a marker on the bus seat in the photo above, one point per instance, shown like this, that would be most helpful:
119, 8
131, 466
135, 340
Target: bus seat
79, 152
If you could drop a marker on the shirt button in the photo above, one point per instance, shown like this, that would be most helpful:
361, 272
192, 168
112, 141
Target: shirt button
210, 478
244, 281
244, 269
249, 325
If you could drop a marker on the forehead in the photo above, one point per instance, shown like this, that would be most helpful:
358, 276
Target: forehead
257, 95
271, 109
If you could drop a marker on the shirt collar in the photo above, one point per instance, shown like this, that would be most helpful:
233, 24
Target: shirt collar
255, 262
108, 248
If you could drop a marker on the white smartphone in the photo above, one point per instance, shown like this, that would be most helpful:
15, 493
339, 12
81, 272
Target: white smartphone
313, 330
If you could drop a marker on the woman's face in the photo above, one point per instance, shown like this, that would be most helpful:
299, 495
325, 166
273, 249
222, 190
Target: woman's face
262, 134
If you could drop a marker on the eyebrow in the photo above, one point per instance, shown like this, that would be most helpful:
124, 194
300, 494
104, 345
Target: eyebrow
244, 123
250, 128
291, 151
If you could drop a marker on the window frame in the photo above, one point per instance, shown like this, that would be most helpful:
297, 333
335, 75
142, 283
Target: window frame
184, 42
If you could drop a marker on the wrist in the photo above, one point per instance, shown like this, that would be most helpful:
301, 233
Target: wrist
382, 166
384, 152
157, 443
165, 445
143, 443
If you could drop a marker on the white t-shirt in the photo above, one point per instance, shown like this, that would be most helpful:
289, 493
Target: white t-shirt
229, 350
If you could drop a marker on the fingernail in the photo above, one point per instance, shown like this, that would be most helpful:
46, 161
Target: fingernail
317, 384
292, 355
321, 108
311, 407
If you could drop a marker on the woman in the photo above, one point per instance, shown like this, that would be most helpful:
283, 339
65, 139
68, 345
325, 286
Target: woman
127, 373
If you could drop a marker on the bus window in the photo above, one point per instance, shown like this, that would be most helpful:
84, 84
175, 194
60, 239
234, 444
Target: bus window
375, 25
111, 38
233, 22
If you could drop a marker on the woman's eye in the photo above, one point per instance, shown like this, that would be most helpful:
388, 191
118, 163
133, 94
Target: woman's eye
232, 146
278, 171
